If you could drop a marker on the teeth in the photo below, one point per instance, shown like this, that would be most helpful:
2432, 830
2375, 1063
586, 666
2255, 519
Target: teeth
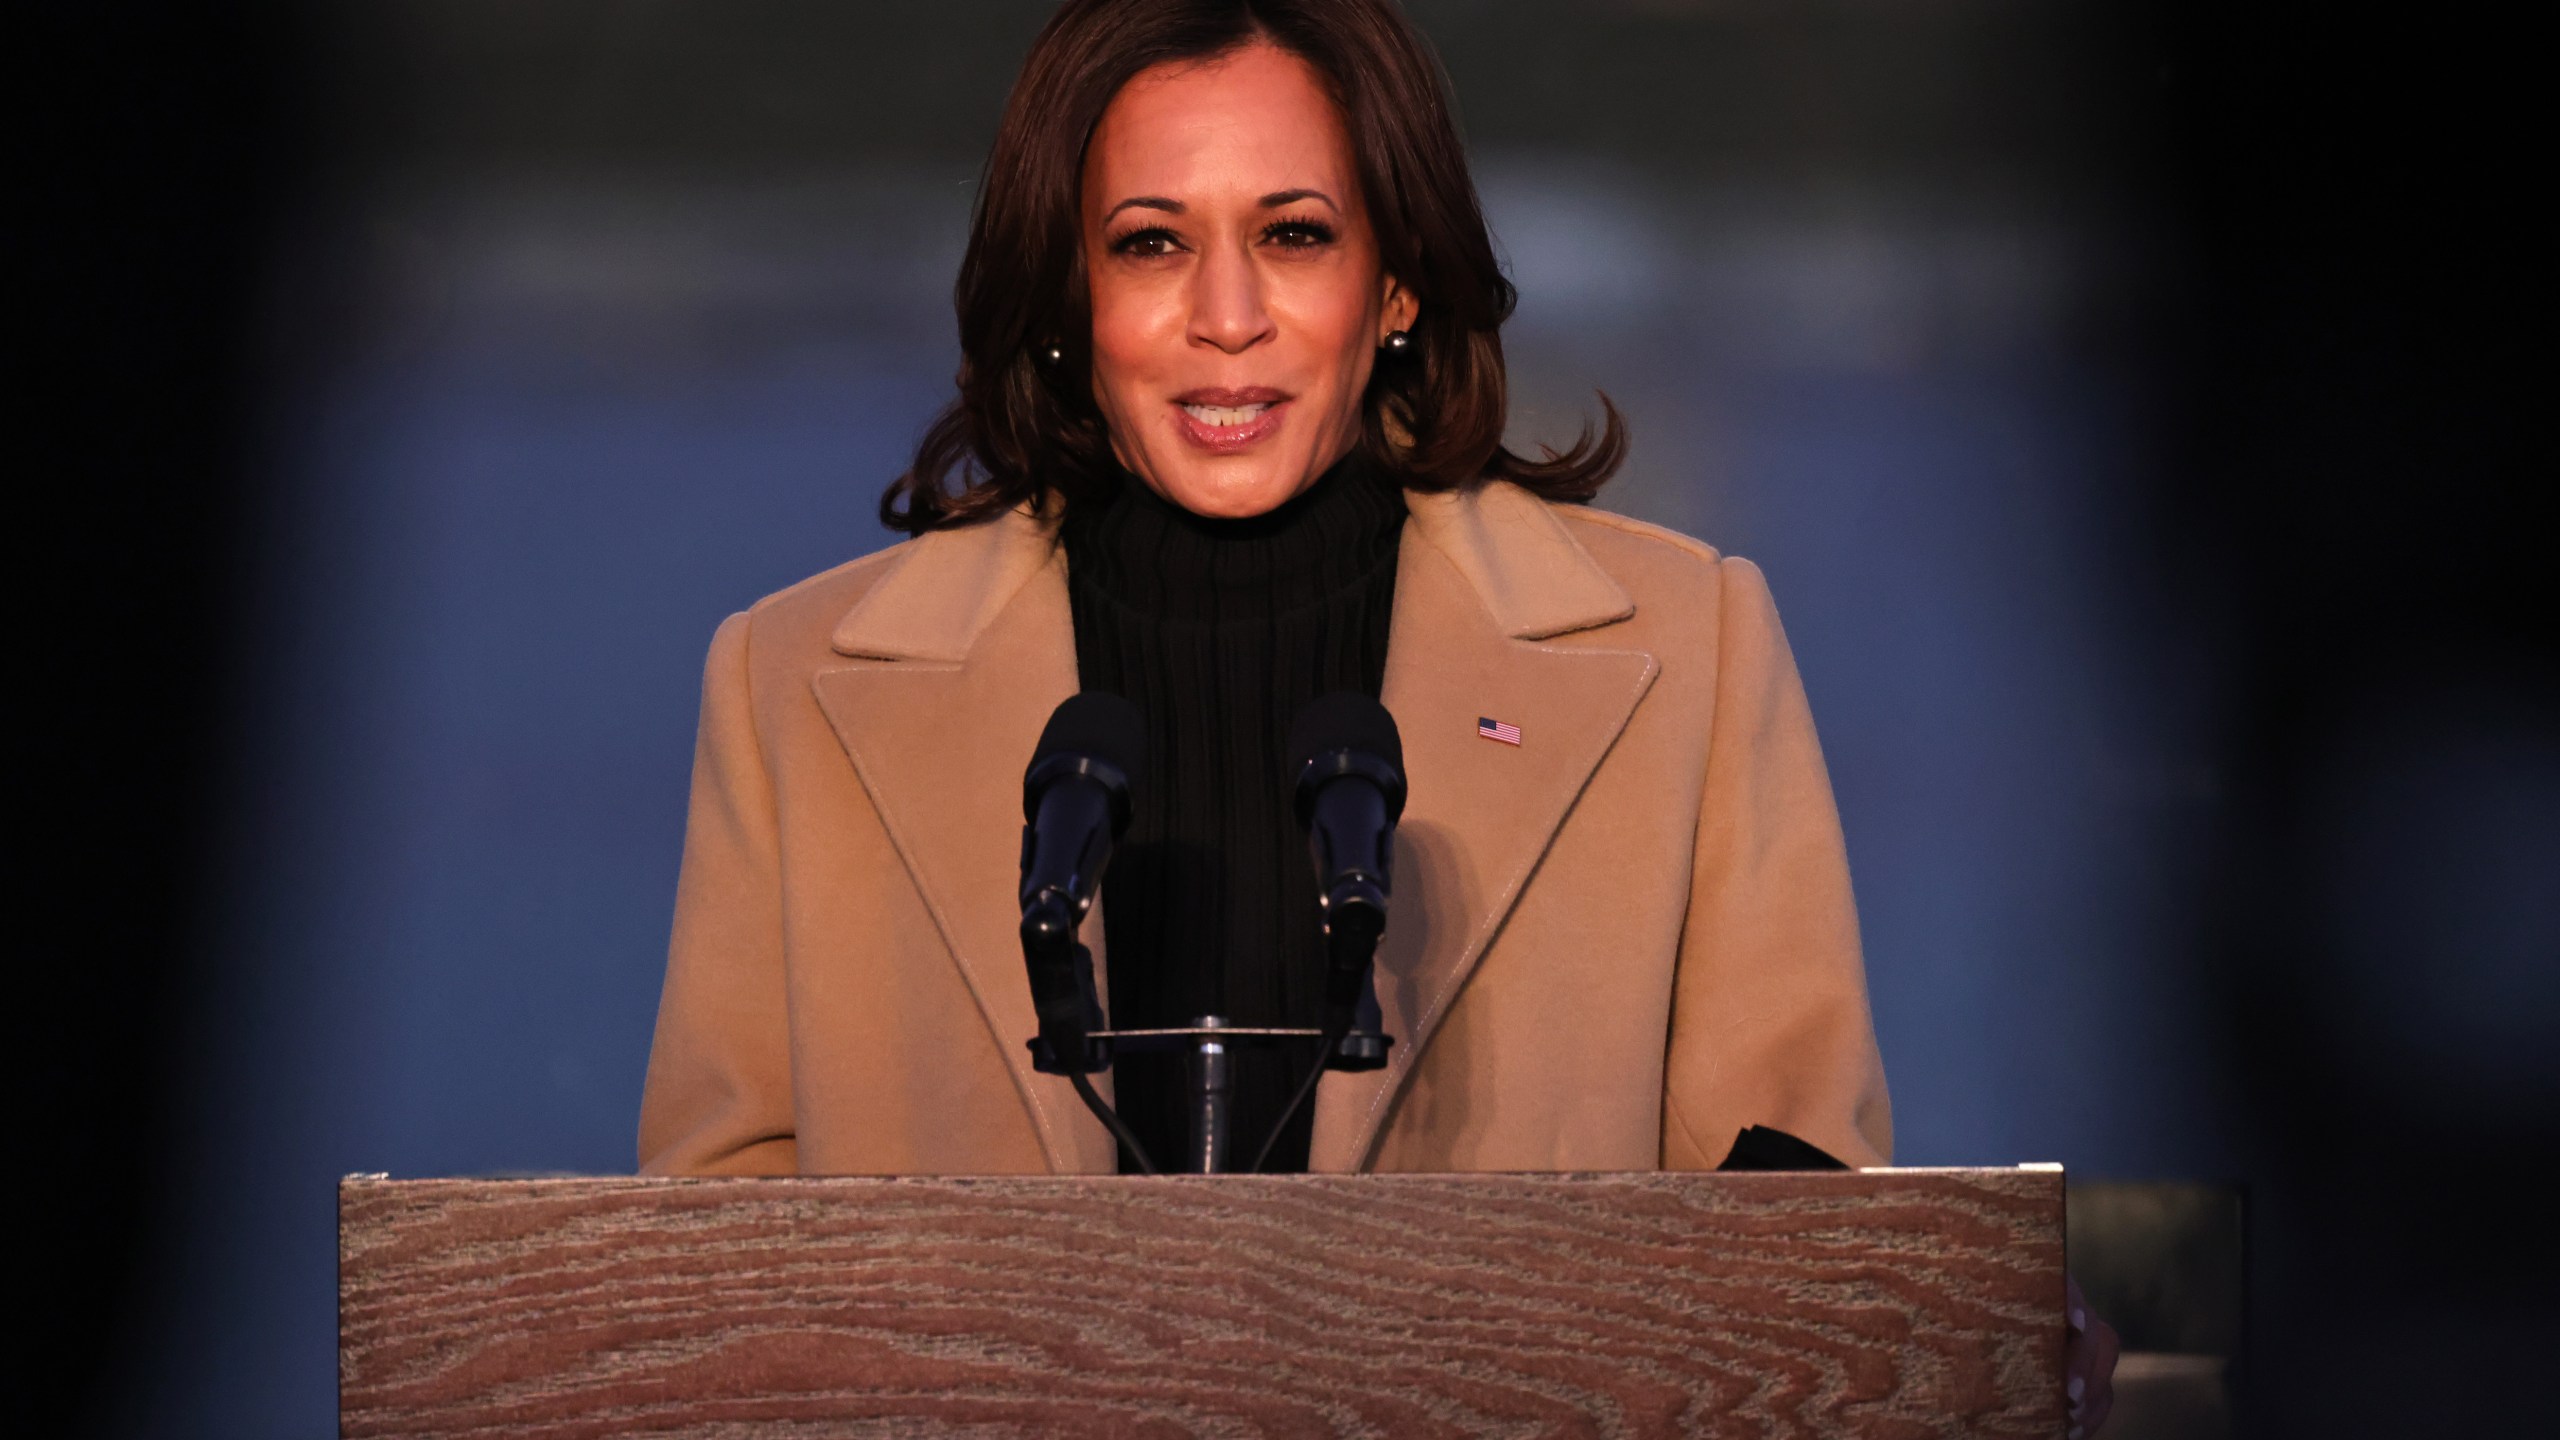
1224, 416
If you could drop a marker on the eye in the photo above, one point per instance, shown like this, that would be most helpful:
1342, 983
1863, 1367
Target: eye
1304, 234
1150, 241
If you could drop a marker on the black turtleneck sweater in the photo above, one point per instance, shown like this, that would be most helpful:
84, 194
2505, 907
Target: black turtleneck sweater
1218, 631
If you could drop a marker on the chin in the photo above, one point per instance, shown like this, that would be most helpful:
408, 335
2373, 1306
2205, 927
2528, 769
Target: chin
1240, 493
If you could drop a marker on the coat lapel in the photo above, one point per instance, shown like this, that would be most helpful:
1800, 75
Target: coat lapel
957, 658
1482, 579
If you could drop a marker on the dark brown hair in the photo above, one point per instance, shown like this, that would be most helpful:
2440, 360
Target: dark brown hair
1024, 427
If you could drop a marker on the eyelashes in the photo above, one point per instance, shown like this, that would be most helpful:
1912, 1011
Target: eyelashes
1300, 233
1147, 242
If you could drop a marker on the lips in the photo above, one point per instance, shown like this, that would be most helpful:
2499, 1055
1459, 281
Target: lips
1227, 420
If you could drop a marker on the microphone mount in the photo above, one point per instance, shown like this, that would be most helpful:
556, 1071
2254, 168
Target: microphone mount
1208, 1045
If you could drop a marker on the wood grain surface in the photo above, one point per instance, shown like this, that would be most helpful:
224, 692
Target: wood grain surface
1884, 1303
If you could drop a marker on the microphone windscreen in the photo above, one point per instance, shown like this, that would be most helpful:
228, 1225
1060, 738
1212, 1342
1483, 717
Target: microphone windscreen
1345, 720
1098, 725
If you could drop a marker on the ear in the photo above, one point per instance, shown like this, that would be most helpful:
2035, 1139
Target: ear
1397, 308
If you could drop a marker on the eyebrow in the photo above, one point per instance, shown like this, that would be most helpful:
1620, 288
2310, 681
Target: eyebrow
1145, 202
1272, 201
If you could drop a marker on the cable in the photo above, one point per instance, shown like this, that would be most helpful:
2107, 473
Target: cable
1112, 1121
1324, 1058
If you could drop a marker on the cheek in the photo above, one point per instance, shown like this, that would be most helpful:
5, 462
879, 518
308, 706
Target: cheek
1131, 338
1334, 314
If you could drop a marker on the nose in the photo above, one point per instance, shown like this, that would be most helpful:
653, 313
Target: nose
1226, 301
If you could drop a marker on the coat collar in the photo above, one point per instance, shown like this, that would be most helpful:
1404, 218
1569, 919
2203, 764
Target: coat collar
946, 588
964, 647
1532, 577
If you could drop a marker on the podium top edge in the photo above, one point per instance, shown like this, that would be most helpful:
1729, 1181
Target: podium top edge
367, 1178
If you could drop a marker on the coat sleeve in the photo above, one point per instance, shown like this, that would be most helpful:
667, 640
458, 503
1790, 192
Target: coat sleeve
718, 1095
1769, 1019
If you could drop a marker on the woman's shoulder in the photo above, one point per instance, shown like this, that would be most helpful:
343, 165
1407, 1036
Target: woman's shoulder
832, 590
1685, 592
1638, 542
1661, 569
926, 598
796, 625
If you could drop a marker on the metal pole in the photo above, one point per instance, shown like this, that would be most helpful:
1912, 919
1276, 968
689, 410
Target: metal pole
1212, 1083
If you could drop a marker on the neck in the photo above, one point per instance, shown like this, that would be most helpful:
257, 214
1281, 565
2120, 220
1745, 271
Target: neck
1150, 554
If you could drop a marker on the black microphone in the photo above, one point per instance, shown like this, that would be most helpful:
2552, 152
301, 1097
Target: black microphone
1075, 807
1350, 793
1349, 761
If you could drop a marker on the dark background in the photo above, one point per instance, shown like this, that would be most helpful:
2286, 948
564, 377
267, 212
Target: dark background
2129, 404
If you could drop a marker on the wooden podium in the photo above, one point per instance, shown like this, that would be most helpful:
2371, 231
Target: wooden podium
1874, 1303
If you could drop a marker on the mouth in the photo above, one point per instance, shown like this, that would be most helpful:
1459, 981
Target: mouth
1222, 417
1225, 421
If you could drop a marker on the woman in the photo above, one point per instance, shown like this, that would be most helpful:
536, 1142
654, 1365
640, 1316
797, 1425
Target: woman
1228, 437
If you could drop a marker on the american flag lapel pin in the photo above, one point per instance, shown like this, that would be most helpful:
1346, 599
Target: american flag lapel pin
1493, 729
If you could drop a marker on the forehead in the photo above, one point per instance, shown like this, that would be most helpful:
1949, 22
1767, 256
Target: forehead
1253, 122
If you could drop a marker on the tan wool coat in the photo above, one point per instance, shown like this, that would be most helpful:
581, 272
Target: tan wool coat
1611, 946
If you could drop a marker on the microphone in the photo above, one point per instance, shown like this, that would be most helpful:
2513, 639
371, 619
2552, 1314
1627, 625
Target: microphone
1350, 793
1349, 762
1075, 808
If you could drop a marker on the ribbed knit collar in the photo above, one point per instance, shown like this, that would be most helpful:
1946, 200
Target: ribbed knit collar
1154, 557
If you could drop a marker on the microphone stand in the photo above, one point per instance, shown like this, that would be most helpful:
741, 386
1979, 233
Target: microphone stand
1211, 1072
1208, 1045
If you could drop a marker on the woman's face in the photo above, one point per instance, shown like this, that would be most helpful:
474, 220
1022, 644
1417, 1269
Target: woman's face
1238, 297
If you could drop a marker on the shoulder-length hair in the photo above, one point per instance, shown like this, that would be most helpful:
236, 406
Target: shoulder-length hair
1025, 427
